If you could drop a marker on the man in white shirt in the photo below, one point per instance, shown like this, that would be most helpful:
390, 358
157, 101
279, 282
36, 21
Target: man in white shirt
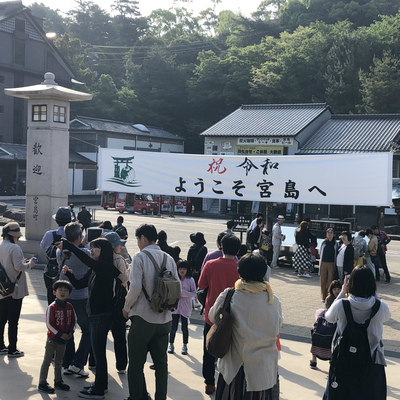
277, 238
149, 329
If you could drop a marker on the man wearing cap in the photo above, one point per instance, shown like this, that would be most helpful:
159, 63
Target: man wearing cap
277, 238
118, 329
75, 361
62, 217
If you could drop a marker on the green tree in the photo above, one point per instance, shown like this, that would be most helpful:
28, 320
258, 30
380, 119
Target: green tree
380, 87
52, 19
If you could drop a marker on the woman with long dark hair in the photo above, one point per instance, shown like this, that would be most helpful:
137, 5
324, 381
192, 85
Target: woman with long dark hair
99, 279
301, 259
12, 260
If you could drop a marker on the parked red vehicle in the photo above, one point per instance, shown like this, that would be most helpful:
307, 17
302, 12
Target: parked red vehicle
182, 204
130, 202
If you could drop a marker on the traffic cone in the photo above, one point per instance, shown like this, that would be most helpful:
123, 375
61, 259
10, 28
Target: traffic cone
296, 218
192, 209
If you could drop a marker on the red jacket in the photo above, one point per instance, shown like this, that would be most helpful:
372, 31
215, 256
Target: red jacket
217, 275
60, 318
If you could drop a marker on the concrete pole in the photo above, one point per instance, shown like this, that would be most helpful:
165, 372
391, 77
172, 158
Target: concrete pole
47, 152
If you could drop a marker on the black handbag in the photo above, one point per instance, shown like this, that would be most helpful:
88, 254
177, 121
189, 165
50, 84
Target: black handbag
219, 337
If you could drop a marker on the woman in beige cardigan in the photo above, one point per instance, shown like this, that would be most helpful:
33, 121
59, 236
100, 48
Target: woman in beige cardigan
12, 259
250, 367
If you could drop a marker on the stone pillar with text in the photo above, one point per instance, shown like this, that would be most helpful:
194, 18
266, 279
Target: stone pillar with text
47, 152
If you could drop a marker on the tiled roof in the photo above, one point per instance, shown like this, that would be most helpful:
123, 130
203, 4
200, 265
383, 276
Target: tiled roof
354, 134
14, 151
267, 120
104, 125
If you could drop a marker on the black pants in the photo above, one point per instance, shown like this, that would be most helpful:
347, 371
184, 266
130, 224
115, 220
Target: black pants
49, 287
174, 328
118, 331
208, 361
382, 260
10, 310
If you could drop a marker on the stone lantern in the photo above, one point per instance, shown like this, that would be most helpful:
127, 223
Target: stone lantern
47, 153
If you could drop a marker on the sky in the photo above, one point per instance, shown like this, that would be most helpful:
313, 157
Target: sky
146, 6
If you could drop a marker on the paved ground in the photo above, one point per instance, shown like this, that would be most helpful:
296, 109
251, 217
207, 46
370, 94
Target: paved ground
299, 297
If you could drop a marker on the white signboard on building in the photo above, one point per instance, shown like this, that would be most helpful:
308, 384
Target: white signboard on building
352, 179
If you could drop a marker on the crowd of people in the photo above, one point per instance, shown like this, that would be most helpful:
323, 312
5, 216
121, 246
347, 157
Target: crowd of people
100, 287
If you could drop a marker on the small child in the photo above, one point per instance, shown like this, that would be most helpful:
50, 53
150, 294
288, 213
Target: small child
60, 321
321, 341
184, 308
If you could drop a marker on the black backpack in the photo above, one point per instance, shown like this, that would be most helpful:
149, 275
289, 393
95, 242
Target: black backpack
6, 286
118, 300
53, 269
322, 333
352, 364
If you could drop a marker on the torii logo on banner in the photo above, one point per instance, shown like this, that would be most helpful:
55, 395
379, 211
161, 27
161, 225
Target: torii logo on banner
124, 174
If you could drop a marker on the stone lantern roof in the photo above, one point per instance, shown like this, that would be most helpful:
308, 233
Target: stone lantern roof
48, 89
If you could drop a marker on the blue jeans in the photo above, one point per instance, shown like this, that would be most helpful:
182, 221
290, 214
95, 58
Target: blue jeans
99, 325
78, 357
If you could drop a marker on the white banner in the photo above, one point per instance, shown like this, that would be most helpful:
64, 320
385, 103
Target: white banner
348, 179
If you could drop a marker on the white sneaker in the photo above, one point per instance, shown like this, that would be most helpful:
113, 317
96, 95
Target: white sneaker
307, 276
78, 371
66, 371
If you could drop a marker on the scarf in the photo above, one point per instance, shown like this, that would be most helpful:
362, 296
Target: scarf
255, 287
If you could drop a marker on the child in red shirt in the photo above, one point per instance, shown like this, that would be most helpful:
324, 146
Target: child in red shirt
60, 321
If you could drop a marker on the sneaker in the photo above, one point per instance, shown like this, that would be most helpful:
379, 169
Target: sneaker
78, 371
61, 385
91, 387
307, 276
4, 350
171, 349
300, 275
45, 387
16, 354
313, 365
184, 350
210, 389
121, 371
66, 371
91, 393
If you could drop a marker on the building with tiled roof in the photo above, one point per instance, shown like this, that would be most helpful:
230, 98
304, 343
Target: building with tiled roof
13, 168
265, 129
358, 133
305, 129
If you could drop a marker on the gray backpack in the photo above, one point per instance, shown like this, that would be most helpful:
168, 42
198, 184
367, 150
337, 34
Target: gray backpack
167, 289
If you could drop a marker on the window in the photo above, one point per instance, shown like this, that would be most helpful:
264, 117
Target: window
396, 168
19, 25
59, 114
39, 113
215, 148
19, 53
89, 179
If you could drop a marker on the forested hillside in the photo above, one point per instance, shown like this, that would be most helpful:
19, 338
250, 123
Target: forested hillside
184, 72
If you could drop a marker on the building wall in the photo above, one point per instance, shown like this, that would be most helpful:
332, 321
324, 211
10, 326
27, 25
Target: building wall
39, 58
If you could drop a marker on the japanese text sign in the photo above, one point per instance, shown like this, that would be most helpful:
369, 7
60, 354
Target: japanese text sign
319, 179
